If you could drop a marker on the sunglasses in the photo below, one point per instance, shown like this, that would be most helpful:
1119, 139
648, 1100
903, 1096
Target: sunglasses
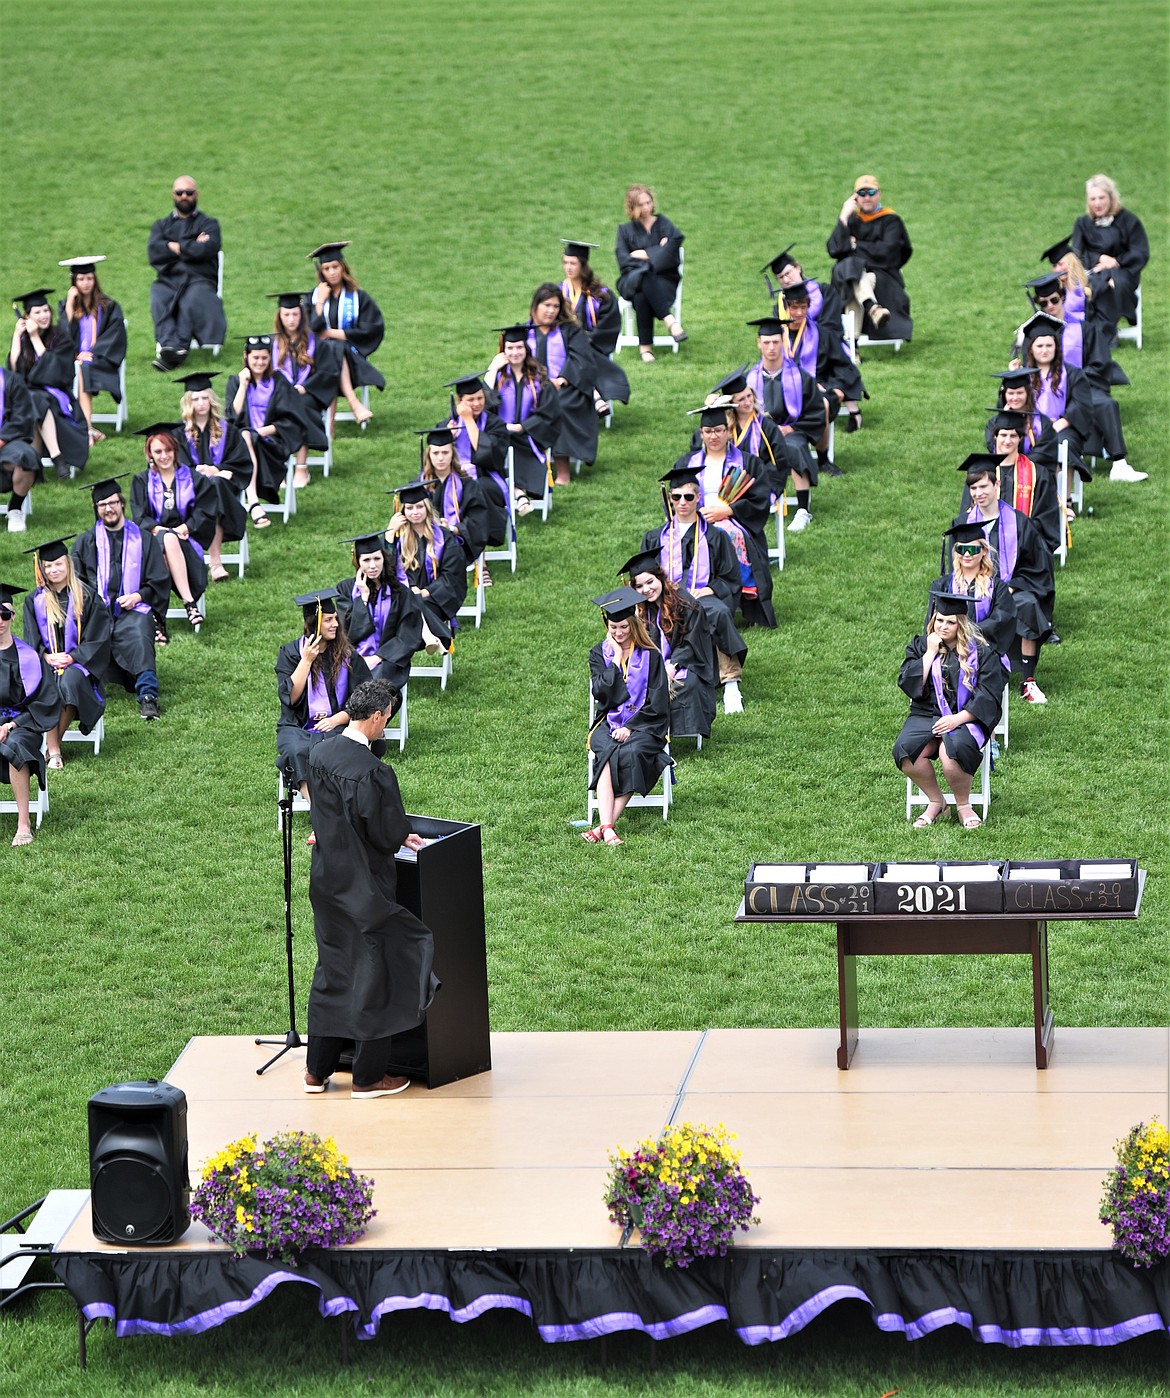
968, 550
6, 612
865, 191
683, 495
1050, 300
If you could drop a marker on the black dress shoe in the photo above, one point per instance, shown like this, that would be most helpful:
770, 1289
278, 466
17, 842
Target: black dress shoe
1053, 640
832, 468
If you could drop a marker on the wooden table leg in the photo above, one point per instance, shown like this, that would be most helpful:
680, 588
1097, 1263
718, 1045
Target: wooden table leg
846, 997
1041, 1006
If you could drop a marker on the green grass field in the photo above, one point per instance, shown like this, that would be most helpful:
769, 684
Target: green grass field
455, 148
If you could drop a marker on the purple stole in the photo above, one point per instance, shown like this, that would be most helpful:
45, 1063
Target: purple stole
1074, 304
131, 565
1009, 546
637, 676
296, 373
790, 385
982, 606
48, 639
88, 327
30, 671
214, 451
554, 345
379, 615
963, 693
670, 556
452, 498
184, 497
1052, 397
317, 693
805, 358
1071, 346
62, 399
664, 645
259, 396
510, 411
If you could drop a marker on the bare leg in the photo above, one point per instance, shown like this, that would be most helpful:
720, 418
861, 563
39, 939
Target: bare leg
177, 566
48, 431
22, 481
921, 772
20, 782
54, 736
360, 412
561, 463
958, 781
251, 495
214, 552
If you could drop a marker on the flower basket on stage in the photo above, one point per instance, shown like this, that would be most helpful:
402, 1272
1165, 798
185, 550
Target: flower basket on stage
293, 1192
1137, 1190
685, 1193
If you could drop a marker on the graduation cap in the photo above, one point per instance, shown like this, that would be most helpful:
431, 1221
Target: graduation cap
1056, 251
780, 261
1009, 419
618, 604
768, 325
328, 252
1042, 324
733, 383
198, 382
573, 248
962, 532
714, 416
412, 493
466, 384
102, 490
797, 294
680, 475
30, 299
289, 300
170, 429
317, 604
51, 549
640, 563
1014, 378
947, 604
256, 342
82, 264
1045, 285
367, 543
436, 436
8, 591
980, 461
512, 333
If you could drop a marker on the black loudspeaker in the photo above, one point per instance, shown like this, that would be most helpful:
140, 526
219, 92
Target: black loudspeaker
140, 1194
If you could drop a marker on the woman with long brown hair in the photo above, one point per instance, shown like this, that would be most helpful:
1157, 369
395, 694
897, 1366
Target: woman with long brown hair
349, 328
96, 328
458, 498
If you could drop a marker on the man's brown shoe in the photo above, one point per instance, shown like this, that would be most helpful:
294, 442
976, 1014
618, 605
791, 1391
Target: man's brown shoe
386, 1087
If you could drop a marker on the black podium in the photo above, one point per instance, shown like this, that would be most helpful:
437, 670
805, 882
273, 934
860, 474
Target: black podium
443, 885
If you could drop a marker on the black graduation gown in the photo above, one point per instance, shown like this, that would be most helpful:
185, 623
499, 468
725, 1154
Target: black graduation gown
690, 648
1047, 512
603, 325
772, 450
447, 592
293, 740
575, 416
720, 606
131, 633
530, 466
808, 425
272, 453
199, 519
79, 690
183, 303
34, 714
234, 458
99, 374
636, 764
401, 636
983, 706
662, 259
373, 976
1032, 583
834, 367
54, 370
16, 430
474, 525
883, 247
489, 459
362, 338
998, 625
1125, 239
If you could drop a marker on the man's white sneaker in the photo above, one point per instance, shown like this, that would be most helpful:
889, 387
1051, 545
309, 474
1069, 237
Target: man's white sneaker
800, 521
1123, 471
16, 523
1033, 693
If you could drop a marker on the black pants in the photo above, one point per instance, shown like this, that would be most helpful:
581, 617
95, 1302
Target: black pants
370, 1057
652, 301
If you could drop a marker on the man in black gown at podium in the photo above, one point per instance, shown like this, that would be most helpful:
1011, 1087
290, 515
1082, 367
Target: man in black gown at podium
373, 977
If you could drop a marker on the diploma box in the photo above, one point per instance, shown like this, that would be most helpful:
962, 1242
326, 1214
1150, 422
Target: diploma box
809, 890
938, 888
1070, 886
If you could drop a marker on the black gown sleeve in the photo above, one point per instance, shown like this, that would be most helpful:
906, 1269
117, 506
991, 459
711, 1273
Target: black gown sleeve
17, 423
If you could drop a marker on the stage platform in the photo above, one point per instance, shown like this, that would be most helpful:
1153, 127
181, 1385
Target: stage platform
943, 1171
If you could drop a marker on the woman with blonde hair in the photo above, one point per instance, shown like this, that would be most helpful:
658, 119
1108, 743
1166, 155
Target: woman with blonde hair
955, 687
974, 574
632, 697
430, 561
647, 253
1112, 245
66, 623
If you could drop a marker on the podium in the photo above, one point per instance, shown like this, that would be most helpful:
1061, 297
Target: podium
443, 886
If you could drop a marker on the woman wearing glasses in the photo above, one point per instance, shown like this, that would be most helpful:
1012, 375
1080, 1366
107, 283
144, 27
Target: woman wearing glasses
973, 575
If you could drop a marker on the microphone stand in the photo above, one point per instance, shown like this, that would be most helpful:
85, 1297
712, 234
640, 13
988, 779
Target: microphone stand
292, 1039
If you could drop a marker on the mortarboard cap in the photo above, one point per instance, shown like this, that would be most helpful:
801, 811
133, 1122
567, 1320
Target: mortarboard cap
82, 264
102, 490
512, 333
328, 252
1008, 419
436, 436
780, 261
256, 342
170, 429
52, 548
8, 591
948, 604
980, 461
962, 532
768, 325
714, 416
1014, 378
797, 294
288, 299
412, 493
1045, 285
198, 382
466, 384
322, 599
39, 297
640, 563
367, 543
574, 248
679, 475
733, 383
618, 604
1056, 251
1041, 324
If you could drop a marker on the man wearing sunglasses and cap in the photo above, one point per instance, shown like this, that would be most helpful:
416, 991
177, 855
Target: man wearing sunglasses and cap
870, 246
184, 251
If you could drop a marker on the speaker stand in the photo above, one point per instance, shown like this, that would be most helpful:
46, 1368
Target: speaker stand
291, 1040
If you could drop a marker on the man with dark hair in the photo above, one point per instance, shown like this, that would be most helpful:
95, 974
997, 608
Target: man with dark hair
184, 250
373, 977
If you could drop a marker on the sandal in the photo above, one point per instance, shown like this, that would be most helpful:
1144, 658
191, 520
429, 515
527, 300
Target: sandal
160, 632
678, 334
610, 835
970, 821
926, 819
220, 574
602, 408
95, 436
592, 837
259, 520
647, 354
56, 762
312, 840
22, 837
194, 615
301, 478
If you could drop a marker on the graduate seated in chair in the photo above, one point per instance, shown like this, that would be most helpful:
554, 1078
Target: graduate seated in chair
824, 302
20, 465
266, 409
65, 621
30, 706
481, 444
819, 350
381, 616
517, 385
593, 305
215, 449
974, 574
458, 498
647, 252
1112, 244
349, 328
428, 559
870, 246
96, 329
42, 354
183, 249
791, 398
294, 357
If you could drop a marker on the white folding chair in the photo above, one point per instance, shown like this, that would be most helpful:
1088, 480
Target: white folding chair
179, 613
239, 559
119, 416
215, 349
476, 609
1133, 332
507, 554
288, 505
628, 336
1001, 728
299, 802
980, 789
396, 732
38, 803
1062, 489
658, 800
346, 415
866, 341
94, 737
324, 459
779, 511
428, 670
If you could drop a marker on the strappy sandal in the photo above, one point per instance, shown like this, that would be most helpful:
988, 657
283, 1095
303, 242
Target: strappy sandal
970, 821
194, 615
259, 520
610, 836
592, 837
926, 819
647, 354
160, 632
56, 762
22, 837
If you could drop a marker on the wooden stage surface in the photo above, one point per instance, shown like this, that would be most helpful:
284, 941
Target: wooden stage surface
935, 1138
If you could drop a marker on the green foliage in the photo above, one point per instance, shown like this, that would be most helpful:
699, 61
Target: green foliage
455, 146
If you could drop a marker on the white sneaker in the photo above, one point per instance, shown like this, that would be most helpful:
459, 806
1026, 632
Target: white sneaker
800, 521
1123, 471
732, 698
16, 524
1033, 693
